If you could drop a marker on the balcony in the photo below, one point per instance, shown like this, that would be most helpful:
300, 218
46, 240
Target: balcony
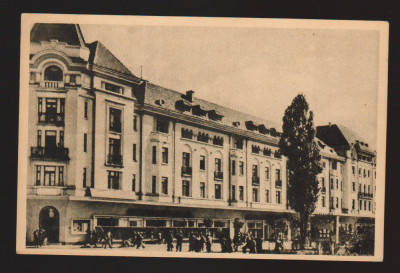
186, 171
344, 210
50, 153
115, 160
255, 180
323, 190
278, 183
218, 175
365, 195
53, 84
56, 119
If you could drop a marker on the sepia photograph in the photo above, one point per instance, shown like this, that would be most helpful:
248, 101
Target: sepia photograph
202, 137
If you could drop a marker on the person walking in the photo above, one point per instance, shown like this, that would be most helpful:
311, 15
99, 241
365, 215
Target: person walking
259, 244
179, 241
108, 238
192, 241
36, 238
208, 242
139, 241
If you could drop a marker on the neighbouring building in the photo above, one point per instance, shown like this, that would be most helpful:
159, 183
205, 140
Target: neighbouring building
110, 149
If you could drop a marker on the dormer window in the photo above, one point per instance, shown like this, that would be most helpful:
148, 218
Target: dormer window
215, 115
236, 123
112, 87
53, 73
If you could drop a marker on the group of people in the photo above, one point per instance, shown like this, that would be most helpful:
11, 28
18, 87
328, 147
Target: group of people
98, 236
197, 241
136, 240
39, 237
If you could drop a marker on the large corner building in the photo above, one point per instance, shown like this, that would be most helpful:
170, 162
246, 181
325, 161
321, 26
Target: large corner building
110, 149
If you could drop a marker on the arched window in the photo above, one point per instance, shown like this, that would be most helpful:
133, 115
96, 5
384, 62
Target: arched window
53, 73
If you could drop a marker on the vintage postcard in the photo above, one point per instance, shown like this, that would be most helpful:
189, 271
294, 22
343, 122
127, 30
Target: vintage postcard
202, 137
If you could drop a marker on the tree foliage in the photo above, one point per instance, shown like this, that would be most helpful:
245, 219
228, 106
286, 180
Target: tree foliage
298, 144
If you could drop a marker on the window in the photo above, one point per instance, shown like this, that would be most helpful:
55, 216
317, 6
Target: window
202, 162
266, 173
218, 193
238, 143
278, 197
368, 173
114, 180
218, 141
233, 193
323, 201
360, 205
359, 187
32, 77
39, 138
154, 184
61, 142
164, 185
241, 193
134, 153
255, 149
337, 202
115, 120
365, 188
49, 176
233, 167
331, 203
369, 189
185, 159
185, 188
218, 165
114, 148
202, 190
331, 184
111, 87
186, 133
72, 79
353, 204
53, 73
241, 167
359, 171
85, 143
84, 178
354, 170
133, 182
255, 195
38, 175
334, 165
278, 175
364, 173
341, 185
323, 182
354, 186
154, 157
337, 184
86, 110
365, 205
165, 155
369, 205
135, 123
80, 226
202, 137
162, 125
255, 170
266, 196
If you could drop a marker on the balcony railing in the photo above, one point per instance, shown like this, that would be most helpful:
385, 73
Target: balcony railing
50, 153
255, 180
344, 210
53, 84
218, 175
323, 190
52, 118
186, 170
365, 195
114, 159
278, 183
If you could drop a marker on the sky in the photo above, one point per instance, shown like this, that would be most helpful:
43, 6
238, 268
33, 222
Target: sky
258, 70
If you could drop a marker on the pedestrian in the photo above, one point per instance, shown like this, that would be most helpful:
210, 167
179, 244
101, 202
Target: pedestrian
139, 241
88, 239
36, 238
208, 242
192, 241
179, 241
169, 240
108, 238
258, 244
202, 241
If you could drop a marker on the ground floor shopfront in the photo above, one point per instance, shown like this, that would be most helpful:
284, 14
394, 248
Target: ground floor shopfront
67, 220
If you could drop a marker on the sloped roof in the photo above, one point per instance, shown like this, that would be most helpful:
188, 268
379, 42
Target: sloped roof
101, 56
67, 33
326, 150
155, 92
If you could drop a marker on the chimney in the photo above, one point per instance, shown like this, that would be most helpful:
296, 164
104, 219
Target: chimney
189, 95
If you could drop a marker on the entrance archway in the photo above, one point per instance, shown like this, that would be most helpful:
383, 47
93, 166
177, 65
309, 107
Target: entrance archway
49, 220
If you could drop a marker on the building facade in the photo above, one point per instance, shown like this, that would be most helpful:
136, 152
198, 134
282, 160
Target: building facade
110, 149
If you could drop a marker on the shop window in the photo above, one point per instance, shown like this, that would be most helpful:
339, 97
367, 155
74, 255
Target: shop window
80, 226
156, 223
